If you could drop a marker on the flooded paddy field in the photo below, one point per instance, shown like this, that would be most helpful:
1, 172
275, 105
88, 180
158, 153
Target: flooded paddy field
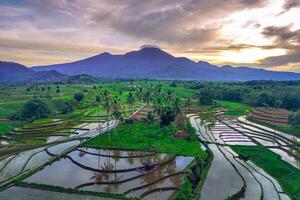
28, 157
23, 193
145, 175
247, 180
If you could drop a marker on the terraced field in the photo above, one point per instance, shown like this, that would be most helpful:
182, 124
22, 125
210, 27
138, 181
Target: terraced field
270, 116
135, 174
248, 181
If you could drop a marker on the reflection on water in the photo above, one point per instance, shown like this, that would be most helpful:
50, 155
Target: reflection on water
20, 193
87, 172
30, 159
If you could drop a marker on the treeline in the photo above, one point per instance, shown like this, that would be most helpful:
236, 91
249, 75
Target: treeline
277, 94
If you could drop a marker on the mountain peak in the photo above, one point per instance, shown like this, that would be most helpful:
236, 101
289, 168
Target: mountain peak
150, 52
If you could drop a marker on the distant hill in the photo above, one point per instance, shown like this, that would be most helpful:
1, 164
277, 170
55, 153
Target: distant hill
153, 63
81, 78
11, 72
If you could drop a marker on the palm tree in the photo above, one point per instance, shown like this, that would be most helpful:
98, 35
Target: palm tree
116, 110
139, 94
98, 101
149, 120
176, 106
130, 100
147, 97
187, 103
107, 106
169, 96
158, 104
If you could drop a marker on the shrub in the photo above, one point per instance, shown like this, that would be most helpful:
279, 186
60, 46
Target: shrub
34, 109
79, 96
294, 119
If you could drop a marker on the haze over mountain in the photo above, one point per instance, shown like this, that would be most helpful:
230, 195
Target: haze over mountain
153, 63
11, 72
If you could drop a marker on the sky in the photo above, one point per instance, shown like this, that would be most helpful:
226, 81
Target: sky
256, 33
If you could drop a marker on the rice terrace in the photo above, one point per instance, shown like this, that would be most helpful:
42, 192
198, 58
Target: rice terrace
145, 140
149, 100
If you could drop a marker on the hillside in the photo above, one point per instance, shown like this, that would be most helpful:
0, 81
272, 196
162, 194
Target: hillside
153, 63
11, 72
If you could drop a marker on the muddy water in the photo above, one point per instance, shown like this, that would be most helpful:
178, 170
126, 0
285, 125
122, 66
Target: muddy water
86, 170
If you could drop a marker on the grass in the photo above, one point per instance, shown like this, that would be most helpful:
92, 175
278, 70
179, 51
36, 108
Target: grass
287, 175
234, 108
136, 136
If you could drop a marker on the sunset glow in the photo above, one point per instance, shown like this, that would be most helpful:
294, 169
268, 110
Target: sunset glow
259, 33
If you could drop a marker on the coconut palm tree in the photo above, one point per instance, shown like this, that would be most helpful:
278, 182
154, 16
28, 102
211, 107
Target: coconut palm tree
147, 97
130, 100
187, 103
107, 105
117, 115
139, 94
149, 120
98, 101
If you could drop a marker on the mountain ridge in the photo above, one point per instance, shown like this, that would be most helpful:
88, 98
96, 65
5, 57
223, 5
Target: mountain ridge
154, 63
11, 72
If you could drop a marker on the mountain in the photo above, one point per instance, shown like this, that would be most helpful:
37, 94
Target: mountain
153, 63
11, 72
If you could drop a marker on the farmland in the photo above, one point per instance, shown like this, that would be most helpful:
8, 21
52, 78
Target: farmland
143, 139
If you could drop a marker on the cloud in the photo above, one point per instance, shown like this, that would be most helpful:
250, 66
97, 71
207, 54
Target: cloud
287, 39
195, 28
289, 4
184, 22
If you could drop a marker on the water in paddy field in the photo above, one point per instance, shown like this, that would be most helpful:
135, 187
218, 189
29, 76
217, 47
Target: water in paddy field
21, 193
27, 160
116, 171
228, 173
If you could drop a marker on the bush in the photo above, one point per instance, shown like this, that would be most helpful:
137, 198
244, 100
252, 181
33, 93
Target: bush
294, 119
64, 107
79, 96
34, 109
185, 192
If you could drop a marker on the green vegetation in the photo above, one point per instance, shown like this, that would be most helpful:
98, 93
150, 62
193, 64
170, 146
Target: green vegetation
4, 128
287, 175
234, 108
294, 119
136, 136
277, 94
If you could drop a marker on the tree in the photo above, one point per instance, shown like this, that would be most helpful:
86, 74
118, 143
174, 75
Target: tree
147, 97
167, 116
64, 107
294, 119
206, 96
130, 100
34, 109
149, 120
176, 106
106, 104
98, 101
187, 103
79, 97
139, 94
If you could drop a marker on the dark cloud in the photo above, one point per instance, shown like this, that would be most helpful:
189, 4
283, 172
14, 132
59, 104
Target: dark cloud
286, 39
289, 4
282, 34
